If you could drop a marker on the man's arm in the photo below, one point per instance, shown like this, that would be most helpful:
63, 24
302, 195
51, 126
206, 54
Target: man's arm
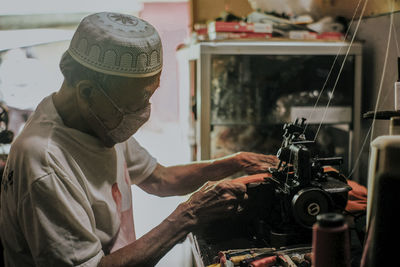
184, 179
148, 250
212, 201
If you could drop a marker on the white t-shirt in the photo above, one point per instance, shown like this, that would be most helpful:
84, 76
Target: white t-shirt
65, 198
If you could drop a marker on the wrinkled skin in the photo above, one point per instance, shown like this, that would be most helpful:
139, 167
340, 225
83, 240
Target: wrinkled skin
253, 163
216, 200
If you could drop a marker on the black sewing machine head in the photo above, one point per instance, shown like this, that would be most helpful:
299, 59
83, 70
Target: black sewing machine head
282, 210
284, 207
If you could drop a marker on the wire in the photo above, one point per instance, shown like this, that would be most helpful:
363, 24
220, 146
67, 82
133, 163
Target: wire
363, 145
333, 64
359, 154
395, 37
287, 174
341, 68
383, 74
370, 130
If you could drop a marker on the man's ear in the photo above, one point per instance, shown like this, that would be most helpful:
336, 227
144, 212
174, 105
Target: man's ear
85, 90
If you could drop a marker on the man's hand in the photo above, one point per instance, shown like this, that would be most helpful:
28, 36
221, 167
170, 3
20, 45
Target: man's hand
216, 200
253, 163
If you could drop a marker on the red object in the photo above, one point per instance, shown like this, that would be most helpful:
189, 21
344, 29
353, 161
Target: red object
222, 26
222, 258
264, 262
238, 35
201, 31
333, 36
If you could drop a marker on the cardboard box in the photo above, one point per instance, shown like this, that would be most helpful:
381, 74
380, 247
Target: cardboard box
203, 11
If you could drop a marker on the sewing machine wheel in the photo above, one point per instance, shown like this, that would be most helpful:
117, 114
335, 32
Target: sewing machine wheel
308, 203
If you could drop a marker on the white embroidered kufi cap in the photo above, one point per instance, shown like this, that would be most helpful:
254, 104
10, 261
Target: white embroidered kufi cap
117, 44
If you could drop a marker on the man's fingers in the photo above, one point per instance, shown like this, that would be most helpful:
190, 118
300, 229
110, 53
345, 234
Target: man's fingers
272, 160
238, 187
235, 193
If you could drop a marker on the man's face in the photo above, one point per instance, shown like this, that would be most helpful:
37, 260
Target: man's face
111, 105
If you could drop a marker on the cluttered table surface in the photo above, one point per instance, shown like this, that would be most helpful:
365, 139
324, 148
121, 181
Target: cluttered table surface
210, 255
230, 251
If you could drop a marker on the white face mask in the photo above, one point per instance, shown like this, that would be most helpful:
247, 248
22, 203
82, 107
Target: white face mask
128, 125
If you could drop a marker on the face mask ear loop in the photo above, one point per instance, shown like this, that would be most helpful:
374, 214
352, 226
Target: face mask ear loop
111, 100
98, 119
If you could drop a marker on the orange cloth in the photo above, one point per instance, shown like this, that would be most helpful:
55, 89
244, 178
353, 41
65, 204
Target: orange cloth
357, 198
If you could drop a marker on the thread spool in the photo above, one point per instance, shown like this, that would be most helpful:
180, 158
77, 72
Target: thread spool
331, 241
380, 248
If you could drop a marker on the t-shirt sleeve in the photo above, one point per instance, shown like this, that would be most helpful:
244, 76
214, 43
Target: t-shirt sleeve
58, 224
139, 162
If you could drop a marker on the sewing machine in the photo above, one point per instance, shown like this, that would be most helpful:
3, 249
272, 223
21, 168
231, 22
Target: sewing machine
301, 187
281, 210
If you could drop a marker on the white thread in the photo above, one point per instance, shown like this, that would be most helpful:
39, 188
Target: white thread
383, 75
333, 64
341, 68
370, 130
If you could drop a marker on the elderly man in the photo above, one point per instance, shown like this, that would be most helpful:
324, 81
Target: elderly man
65, 195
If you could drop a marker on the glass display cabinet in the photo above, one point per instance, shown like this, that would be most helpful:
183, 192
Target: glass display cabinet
237, 95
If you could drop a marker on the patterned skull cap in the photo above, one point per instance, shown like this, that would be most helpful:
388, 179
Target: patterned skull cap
117, 44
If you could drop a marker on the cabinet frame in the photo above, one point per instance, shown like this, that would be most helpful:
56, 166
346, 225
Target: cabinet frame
201, 54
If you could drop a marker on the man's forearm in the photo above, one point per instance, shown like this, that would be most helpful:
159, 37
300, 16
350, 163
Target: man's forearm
190, 177
150, 248
184, 179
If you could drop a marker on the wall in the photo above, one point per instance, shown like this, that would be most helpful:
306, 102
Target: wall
161, 135
374, 31
172, 22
